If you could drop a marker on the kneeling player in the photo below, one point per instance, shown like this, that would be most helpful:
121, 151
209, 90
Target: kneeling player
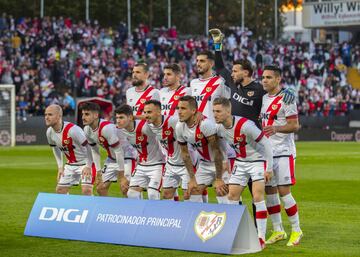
253, 154
150, 162
70, 139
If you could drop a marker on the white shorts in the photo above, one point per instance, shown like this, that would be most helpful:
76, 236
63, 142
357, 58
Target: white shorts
205, 174
243, 171
147, 176
284, 171
110, 172
129, 168
73, 176
174, 175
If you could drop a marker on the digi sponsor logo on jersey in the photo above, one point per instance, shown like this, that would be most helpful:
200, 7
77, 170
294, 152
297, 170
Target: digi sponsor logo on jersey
140, 146
165, 107
209, 224
243, 100
200, 98
66, 148
63, 215
266, 116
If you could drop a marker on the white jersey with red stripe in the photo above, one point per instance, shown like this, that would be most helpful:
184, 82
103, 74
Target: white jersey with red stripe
206, 90
170, 99
128, 149
274, 113
71, 140
196, 136
144, 141
104, 135
136, 99
243, 137
166, 135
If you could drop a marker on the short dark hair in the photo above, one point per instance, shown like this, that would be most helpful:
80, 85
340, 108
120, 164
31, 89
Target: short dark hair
191, 100
143, 65
208, 54
154, 102
174, 67
90, 106
273, 68
245, 65
222, 101
124, 109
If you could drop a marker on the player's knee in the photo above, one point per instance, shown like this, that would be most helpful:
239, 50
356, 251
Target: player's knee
270, 190
62, 190
153, 194
133, 194
186, 195
101, 190
168, 194
233, 196
87, 190
284, 190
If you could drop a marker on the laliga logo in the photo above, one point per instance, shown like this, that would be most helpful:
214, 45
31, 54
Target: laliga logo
209, 224
65, 215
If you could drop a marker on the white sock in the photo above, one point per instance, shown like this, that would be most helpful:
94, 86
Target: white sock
153, 194
233, 202
133, 194
261, 218
292, 212
274, 210
196, 198
222, 199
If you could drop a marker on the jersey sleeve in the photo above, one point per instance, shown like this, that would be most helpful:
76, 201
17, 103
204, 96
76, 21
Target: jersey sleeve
252, 131
87, 131
290, 110
219, 130
78, 135
109, 132
155, 95
49, 139
225, 90
208, 128
179, 133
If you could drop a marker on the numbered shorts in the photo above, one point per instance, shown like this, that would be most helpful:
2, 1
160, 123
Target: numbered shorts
147, 176
73, 176
174, 176
110, 172
129, 168
284, 171
243, 171
205, 174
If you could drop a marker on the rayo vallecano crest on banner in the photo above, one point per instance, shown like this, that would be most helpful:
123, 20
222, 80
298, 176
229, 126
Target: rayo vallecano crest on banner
209, 224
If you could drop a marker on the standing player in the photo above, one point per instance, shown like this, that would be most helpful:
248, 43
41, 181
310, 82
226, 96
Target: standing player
137, 95
279, 122
172, 89
208, 87
203, 137
150, 161
164, 128
254, 159
68, 138
103, 133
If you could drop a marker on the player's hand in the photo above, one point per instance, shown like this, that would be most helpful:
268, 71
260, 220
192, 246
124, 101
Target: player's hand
192, 185
268, 175
124, 185
269, 130
220, 187
216, 35
86, 172
60, 173
288, 95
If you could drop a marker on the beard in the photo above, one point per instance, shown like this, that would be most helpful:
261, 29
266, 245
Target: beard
238, 81
137, 82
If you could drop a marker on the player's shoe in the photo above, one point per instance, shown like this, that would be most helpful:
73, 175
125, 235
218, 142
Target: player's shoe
275, 237
295, 238
262, 243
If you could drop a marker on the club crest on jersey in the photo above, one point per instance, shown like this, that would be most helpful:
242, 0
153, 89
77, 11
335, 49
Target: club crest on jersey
167, 132
101, 139
208, 89
250, 93
66, 141
176, 97
209, 224
274, 107
140, 138
200, 136
142, 101
239, 139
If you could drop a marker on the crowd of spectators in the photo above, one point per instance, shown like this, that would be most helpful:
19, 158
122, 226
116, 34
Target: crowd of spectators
55, 60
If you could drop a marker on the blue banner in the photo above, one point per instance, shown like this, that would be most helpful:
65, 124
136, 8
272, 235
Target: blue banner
162, 224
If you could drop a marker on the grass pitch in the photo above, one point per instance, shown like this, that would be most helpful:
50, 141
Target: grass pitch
327, 193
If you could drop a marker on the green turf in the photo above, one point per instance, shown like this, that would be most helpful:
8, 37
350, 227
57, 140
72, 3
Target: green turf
327, 192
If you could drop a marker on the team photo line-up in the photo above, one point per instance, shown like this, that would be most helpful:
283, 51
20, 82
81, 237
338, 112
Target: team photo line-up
225, 130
